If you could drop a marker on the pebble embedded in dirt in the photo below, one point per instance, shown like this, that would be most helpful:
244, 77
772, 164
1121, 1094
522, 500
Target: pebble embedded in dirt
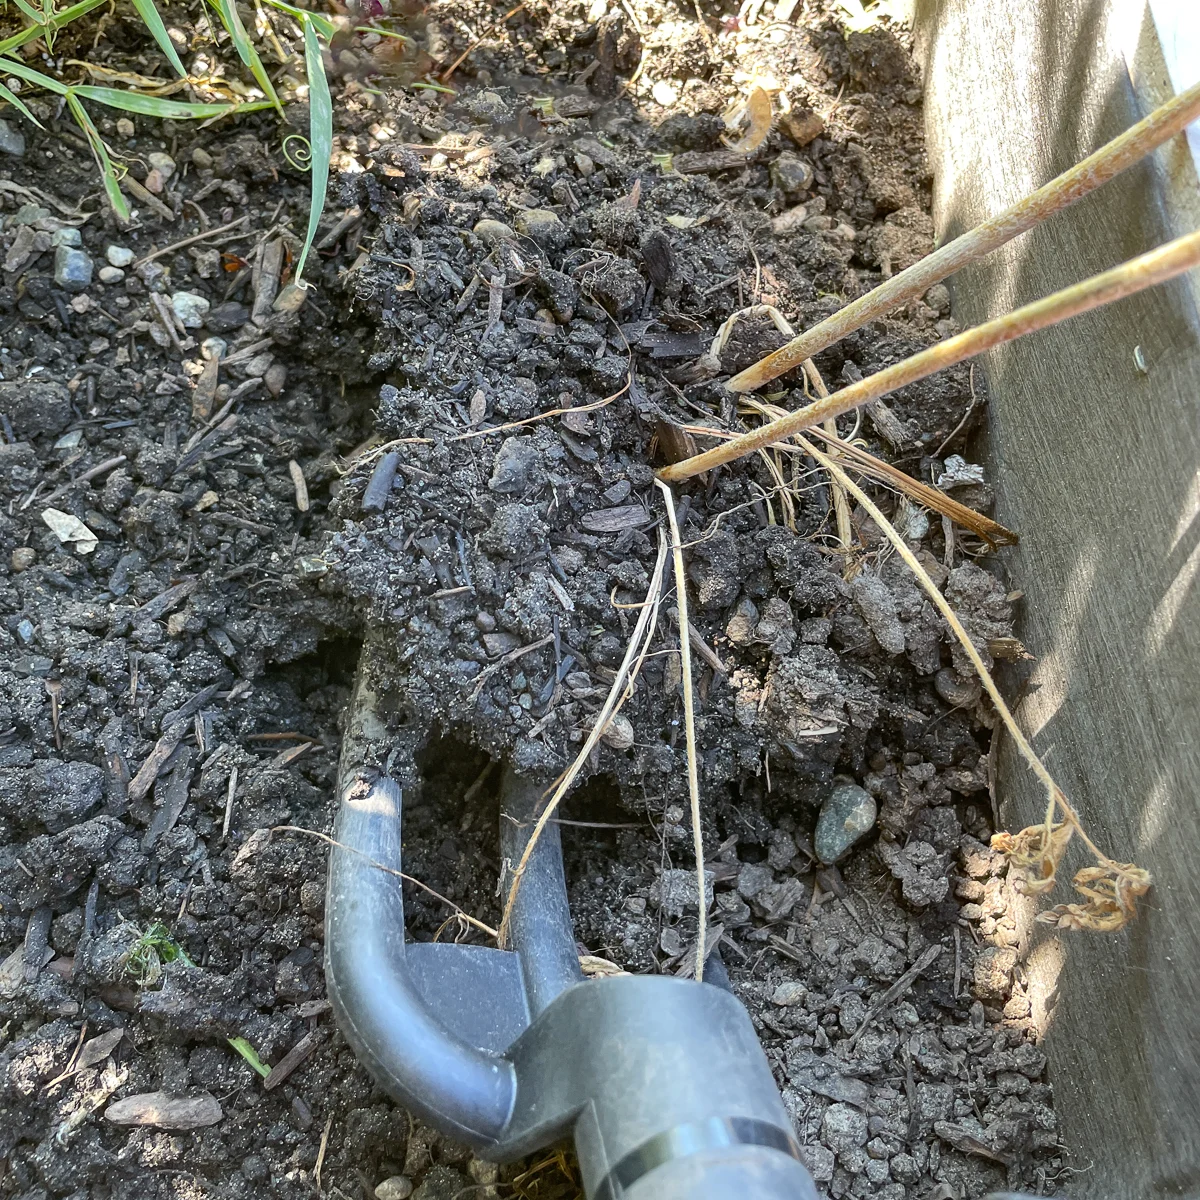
12, 139
847, 815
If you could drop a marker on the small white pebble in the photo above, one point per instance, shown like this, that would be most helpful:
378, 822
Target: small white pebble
119, 256
111, 274
664, 93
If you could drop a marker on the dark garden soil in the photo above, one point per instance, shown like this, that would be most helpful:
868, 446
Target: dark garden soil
567, 232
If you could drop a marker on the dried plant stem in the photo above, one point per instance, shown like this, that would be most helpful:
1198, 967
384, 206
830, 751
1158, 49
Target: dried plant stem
1156, 267
841, 506
364, 456
1097, 169
883, 472
1054, 794
635, 654
689, 726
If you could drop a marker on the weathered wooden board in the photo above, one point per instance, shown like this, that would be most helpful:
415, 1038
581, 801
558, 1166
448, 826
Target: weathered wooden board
1098, 466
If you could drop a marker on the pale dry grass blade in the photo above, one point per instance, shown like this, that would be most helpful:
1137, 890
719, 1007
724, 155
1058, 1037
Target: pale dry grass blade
1110, 888
635, 654
689, 725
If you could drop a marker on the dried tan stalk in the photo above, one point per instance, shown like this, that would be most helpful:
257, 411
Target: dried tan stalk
689, 725
1111, 888
874, 468
1097, 169
841, 506
1140, 273
639, 642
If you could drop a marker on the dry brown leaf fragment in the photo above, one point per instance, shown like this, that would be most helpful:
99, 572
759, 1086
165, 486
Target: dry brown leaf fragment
1111, 890
672, 441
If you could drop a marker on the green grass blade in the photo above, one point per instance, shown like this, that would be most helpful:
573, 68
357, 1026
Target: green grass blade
64, 18
157, 106
154, 23
31, 12
19, 105
249, 1053
21, 71
112, 185
324, 26
227, 11
320, 136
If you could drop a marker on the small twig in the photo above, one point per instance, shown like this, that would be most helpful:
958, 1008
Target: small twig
324, 837
1145, 271
689, 724
202, 236
86, 477
498, 25
1110, 160
643, 631
385, 447
897, 989
510, 657
321, 1154
703, 649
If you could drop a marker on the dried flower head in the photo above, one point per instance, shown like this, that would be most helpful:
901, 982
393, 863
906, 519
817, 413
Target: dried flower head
1034, 855
1111, 891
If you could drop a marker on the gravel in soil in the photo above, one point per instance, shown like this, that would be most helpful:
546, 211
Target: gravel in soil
243, 495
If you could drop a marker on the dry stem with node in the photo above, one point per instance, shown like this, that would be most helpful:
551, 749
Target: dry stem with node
1147, 270
1110, 160
1110, 889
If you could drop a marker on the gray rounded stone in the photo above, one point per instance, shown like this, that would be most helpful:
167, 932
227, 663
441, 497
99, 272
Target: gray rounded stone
543, 226
398, 1187
791, 174
72, 268
12, 139
493, 231
190, 309
848, 814
956, 691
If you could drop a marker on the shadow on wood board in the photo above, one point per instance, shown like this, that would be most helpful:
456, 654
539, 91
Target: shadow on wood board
1097, 464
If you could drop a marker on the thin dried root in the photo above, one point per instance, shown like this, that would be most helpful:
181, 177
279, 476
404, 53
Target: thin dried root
1159, 265
1110, 888
1110, 160
689, 725
874, 468
459, 913
635, 654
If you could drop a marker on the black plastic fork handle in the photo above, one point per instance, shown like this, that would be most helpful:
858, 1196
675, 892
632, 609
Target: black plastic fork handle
418, 1059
